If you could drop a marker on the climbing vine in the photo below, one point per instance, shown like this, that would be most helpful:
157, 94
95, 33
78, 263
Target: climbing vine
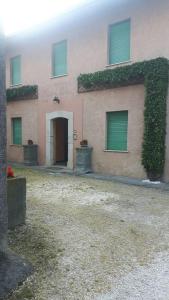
155, 76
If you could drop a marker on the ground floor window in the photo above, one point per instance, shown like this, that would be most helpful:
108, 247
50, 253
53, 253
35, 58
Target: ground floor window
117, 129
17, 131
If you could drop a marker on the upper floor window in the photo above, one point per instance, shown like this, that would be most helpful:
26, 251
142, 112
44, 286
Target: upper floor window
17, 131
59, 59
15, 70
119, 42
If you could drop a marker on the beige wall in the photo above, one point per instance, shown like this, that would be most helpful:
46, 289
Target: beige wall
86, 33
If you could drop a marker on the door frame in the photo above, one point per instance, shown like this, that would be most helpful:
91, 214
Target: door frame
50, 136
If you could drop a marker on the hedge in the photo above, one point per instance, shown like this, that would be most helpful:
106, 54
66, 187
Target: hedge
26, 92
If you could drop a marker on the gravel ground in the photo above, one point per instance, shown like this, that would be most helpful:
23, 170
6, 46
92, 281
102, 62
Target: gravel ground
93, 240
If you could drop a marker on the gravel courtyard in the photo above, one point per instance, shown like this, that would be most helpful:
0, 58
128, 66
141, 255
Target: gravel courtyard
93, 240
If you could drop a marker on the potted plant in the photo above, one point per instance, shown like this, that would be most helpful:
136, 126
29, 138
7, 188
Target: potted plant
30, 142
84, 143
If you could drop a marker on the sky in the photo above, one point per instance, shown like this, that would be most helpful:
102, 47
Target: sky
18, 15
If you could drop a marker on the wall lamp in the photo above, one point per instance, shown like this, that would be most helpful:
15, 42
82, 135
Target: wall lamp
56, 99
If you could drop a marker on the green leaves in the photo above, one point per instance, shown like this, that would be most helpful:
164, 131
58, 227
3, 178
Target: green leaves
22, 93
156, 83
155, 76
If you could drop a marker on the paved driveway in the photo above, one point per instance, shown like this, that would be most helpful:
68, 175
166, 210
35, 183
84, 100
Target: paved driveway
93, 240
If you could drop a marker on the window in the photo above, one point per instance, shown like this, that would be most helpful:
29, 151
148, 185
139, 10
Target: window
117, 128
16, 70
59, 63
119, 42
17, 131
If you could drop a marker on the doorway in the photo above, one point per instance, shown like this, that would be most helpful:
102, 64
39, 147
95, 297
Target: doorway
51, 140
60, 150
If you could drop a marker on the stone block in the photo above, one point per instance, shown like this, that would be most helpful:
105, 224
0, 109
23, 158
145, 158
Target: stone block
16, 201
83, 160
13, 271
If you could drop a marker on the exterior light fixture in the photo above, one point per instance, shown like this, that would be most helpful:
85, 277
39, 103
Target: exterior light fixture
56, 99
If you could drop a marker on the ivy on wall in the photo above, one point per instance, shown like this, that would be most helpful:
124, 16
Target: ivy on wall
155, 76
26, 92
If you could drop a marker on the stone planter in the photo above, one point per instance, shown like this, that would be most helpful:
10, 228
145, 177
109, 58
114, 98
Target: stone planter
30, 155
16, 201
83, 160
153, 176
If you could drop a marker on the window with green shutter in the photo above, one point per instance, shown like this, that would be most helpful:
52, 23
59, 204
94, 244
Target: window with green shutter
59, 63
117, 129
17, 131
16, 70
119, 42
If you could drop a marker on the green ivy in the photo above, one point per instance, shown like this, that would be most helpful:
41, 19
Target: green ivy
155, 76
22, 93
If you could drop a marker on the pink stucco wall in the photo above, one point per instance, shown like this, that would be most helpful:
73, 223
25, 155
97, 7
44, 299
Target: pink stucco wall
29, 113
86, 32
95, 108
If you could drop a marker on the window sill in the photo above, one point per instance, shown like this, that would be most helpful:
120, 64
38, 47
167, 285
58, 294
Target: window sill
116, 151
53, 77
15, 85
120, 63
15, 145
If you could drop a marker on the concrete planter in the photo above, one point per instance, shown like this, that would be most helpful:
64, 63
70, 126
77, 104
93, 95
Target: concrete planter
83, 160
153, 176
16, 200
30, 155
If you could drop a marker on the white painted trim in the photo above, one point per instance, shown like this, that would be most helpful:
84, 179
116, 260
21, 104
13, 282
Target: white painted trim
58, 76
116, 151
49, 136
119, 63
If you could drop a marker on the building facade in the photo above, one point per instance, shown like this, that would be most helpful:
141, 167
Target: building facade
100, 35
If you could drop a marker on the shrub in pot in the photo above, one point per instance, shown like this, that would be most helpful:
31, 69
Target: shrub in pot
84, 143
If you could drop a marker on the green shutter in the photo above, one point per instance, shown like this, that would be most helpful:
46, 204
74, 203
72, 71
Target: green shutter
117, 127
16, 70
119, 42
60, 59
17, 131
